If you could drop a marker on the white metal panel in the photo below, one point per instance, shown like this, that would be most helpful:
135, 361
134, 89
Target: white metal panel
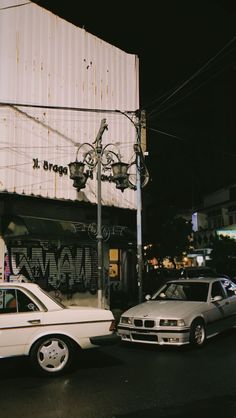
47, 61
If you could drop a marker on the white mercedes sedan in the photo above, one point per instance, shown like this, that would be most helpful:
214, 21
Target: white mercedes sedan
182, 312
34, 324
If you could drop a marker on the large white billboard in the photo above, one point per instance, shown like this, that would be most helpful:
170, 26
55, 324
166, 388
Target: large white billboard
57, 82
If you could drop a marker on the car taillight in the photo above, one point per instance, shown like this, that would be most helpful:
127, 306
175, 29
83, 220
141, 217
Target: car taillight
113, 325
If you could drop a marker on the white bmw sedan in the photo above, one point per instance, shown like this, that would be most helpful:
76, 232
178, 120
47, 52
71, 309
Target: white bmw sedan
34, 324
182, 312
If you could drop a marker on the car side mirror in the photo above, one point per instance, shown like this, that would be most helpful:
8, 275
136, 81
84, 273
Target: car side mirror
216, 298
147, 297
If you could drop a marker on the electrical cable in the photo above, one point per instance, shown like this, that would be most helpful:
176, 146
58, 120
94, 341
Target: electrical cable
209, 63
187, 94
216, 150
15, 5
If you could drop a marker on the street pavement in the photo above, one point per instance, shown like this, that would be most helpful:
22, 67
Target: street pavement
128, 381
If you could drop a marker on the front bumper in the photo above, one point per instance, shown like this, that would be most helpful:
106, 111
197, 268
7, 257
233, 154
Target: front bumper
102, 340
159, 337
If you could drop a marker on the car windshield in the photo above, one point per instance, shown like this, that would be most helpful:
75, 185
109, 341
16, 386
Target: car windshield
194, 292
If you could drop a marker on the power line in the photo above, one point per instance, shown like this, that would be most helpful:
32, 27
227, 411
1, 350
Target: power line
15, 5
179, 138
76, 109
208, 64
160, 110
200, 70
167, 134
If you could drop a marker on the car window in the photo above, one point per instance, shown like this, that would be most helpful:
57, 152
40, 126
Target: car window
25, 304
7, 301
229, 287
217, 290
14, 300
194, 292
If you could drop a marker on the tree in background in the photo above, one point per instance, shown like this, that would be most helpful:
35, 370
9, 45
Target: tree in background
172, 237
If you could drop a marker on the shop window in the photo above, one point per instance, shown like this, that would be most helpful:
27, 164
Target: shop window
114, 267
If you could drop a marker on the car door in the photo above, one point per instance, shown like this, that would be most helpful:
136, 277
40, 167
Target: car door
230, 303
217, 314
20, 319
222, 312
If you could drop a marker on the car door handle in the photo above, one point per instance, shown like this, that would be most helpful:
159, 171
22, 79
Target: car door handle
34, 321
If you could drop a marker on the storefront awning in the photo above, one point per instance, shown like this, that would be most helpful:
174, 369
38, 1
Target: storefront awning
20, 227
37, 227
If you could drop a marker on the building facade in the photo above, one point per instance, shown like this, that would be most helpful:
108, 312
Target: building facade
57, 82
216, 217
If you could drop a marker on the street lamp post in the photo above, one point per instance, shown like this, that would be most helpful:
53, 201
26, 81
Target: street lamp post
104, 158
139, 231
99, 221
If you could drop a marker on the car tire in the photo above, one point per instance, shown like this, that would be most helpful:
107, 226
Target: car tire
197, 333
52, 355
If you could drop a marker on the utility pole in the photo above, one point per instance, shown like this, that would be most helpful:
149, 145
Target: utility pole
98, 149
140, 129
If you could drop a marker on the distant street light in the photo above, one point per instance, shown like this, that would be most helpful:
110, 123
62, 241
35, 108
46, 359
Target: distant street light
105, 159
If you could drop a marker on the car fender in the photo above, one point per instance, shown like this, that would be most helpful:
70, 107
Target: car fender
80, 342
198, 317
194, 316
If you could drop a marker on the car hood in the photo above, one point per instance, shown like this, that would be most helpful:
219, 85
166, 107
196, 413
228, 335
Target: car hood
164, 309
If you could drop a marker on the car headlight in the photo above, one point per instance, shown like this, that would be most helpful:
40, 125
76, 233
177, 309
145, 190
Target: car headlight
126, 320
172, 323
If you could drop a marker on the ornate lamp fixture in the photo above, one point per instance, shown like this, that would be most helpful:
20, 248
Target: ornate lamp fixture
77, 174
124, 175
110, 161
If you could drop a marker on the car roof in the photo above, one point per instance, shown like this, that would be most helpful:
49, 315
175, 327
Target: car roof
19, 284
197, 271
197, 280
197, 268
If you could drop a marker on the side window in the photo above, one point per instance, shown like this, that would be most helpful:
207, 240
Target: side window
14, 300
229, 287
217, 290
8, 301
25, 304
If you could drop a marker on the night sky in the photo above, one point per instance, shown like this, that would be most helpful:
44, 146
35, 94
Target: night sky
187, 53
